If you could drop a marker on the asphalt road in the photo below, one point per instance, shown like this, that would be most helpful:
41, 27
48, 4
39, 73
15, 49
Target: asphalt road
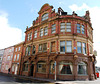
4, 79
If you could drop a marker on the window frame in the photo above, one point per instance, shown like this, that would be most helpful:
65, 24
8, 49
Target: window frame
53, 29
82, 64
65, 50
66, 63
45, 16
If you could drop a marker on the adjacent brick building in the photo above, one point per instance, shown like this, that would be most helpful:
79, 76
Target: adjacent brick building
7, 59
61, 38
1, 57
16, 60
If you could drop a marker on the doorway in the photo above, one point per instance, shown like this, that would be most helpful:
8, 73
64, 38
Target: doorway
31, 70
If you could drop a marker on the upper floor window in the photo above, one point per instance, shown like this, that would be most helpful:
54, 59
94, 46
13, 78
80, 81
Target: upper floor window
65, 27
83, 30
43, 47
53, 30
35, 34
17, 57
68, 27
80, 29
14, 57
29, 36
45, 30
8, 58
41, 32
62, 27
9, 50
66, 46
53, 46
81, 47
84, 48
19, 49
62, 46
33, 50
16, 50
45, 16
28, 50
69, 46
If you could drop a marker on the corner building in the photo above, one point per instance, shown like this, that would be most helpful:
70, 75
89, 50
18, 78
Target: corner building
61, 38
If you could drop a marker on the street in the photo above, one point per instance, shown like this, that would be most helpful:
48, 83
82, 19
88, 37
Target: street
6, 79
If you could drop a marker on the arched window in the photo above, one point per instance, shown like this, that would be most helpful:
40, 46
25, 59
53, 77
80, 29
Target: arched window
65, 68
82, 68
41, 67
45, 16
52, 67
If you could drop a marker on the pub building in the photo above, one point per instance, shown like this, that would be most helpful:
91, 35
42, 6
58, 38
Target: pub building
59, 44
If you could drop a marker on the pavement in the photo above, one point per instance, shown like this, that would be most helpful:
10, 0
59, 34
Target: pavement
13, 79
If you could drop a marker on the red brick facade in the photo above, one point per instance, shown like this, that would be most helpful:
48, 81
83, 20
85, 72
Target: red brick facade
37, 61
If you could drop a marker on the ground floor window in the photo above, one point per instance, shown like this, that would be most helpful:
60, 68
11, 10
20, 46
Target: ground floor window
25, 66
52, 67
41, 67
82, 68
65, 68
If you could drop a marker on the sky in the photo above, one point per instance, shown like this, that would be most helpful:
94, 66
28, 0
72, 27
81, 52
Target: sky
16, 15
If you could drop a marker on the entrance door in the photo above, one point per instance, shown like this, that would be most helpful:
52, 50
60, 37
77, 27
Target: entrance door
31, 70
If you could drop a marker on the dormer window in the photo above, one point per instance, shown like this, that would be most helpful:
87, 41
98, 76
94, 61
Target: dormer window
45, 16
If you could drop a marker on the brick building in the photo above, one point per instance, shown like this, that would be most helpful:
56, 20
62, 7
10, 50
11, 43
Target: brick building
1, 57
7, 59
61, 38
16, 60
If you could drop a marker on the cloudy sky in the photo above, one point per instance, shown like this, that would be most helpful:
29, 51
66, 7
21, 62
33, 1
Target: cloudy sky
15, 15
